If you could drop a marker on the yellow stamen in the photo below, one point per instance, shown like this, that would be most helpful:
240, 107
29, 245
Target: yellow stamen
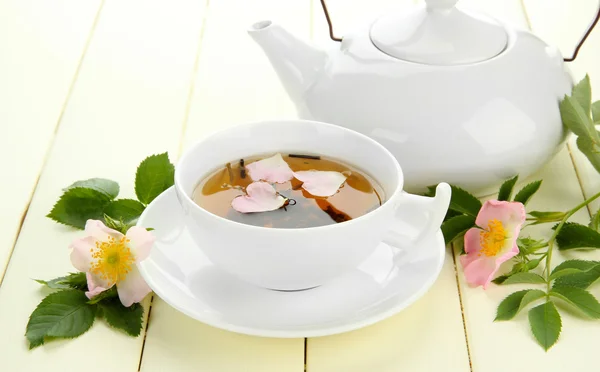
492, 239
112, 260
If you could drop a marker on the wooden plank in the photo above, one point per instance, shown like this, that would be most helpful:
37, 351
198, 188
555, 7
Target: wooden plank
406, 341
234, 84
562, 24
128, 102
560, 191
42, 44
427, 336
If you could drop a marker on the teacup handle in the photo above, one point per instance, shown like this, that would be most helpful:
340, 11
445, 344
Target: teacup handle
425, 214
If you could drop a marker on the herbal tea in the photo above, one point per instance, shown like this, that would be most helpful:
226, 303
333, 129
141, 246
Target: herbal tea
291, 191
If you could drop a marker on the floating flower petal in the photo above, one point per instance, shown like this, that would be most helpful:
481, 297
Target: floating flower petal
320, 183
273, 169
261, 197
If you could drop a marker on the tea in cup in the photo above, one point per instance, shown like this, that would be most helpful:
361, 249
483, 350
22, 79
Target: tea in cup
347, 198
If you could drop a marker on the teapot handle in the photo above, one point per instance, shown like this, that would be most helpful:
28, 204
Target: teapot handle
571, 59
331, 35
584, 37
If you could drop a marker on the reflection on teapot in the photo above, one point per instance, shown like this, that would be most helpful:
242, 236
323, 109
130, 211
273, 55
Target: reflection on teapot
456, 96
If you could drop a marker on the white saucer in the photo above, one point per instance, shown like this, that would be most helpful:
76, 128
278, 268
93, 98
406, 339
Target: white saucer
182, 276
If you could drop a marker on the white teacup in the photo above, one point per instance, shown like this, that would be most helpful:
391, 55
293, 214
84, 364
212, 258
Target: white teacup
293, 259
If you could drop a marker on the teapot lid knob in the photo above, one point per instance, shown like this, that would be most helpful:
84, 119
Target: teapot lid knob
438, 33
440, 4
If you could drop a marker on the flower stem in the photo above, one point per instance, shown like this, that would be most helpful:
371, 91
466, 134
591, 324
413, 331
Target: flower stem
557, 230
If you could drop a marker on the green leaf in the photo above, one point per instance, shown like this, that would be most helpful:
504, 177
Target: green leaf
64, 314
54, 283
515, 302
551, 216
127, 210
78, 205
573, 235
456, 226
595, 221
590, 150
128, 319
506, 189
430, 191
118, 225
107, 187
500, 279
108, 294
528, 245
545, 324
73, 280
580, 299
582, 265
564, 272
533, 263
582, 93
545, 217
450, 213
462, 201
154, 175
530, 278
596, 112
577, 120
572, 267
581, 280
518, 267
527, 192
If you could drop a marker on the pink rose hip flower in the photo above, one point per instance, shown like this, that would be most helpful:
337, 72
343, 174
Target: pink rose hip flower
109, 258
93, 289
493, 242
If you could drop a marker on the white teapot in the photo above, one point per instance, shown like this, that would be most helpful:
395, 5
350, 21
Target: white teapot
456, 96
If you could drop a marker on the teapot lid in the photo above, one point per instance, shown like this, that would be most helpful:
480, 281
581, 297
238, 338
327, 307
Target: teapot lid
439, 34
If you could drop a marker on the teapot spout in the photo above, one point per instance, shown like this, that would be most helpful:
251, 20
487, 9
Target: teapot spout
296, 62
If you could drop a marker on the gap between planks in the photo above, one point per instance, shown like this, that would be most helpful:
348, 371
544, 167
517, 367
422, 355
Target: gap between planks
460, 301
305, 354
311, 37
53, 137
186, 115
453, 254
188, 104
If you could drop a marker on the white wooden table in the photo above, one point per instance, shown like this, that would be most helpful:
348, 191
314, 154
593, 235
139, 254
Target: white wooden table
88, 88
